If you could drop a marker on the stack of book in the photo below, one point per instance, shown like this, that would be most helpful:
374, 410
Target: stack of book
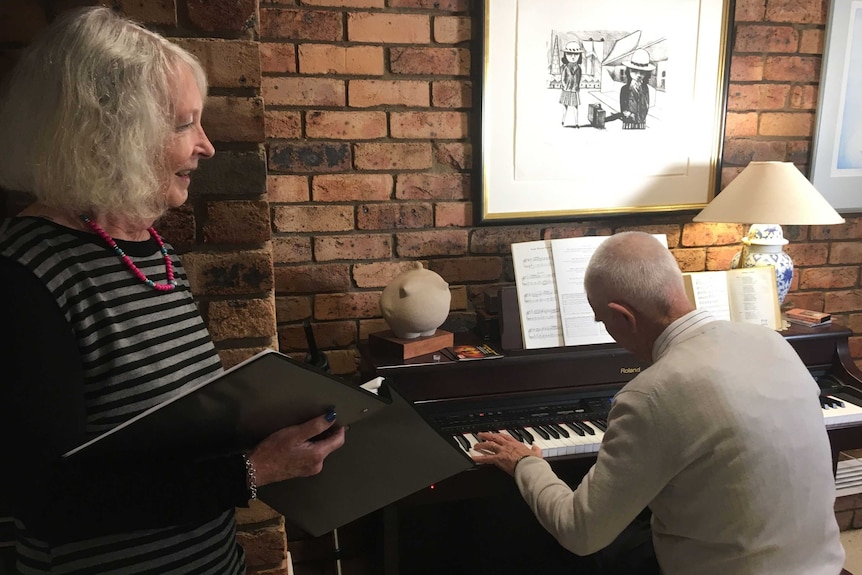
807, 317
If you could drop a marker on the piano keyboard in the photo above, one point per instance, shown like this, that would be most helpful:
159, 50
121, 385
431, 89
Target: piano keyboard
579, 429
839, 411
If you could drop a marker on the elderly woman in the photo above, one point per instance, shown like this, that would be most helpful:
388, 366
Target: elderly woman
102, 126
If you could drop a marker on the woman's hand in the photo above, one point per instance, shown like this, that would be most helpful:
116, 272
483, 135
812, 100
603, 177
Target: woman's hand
502, 450
296, 451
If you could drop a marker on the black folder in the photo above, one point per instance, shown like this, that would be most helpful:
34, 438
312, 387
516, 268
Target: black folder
390, 450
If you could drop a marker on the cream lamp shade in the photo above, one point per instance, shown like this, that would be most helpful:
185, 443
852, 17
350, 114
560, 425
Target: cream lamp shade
768, 195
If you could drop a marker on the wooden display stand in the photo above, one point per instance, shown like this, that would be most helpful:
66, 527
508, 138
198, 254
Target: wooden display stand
386, 342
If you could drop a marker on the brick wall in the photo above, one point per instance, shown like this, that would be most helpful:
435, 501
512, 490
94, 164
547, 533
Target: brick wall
344, 153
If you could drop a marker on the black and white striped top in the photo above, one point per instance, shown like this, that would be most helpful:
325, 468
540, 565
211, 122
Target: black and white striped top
93, 347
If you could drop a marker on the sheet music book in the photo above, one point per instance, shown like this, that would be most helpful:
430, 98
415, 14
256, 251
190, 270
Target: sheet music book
748, 295
237, 408
390, 450
549, 276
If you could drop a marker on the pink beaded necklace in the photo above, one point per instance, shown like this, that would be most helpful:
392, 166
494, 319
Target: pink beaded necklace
169, 266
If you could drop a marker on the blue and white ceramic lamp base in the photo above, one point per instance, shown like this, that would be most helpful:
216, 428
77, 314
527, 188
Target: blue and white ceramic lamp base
765, 243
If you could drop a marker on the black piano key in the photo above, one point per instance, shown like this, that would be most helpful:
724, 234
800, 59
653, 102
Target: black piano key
550, 431
516, 434
538, 429
527, 435
462, 441
587, 429
600, 423
577, 429
559, 429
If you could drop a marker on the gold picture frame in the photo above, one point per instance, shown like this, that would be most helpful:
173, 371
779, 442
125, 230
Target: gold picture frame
630, 145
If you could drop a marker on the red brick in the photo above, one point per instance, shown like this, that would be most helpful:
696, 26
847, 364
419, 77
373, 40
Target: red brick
177, 227
792, 68
327, 335
499, 240
828, 278
236, 222
741, 151
453, 214
385, 156
309, 157
708, 234
325, 218
234, 119
456, 155
291, 249
288, 24
285, 124
287, 189
765, 38
433, 186
851, 229
451, 94
807, 300
160, 12
746, 68
263, 547
811, 41
718, 259
431, 243
842, 301
379, 274
223, 15
452, 29
328, 59
807, 12
672, 232
303, 91
347, 305
740, 125
367, 93
388, 28
803, 97
367, 326
228, 63
690, 259
757, 96
312, 278
468, 269
234, 273
239, 319
351, 187
750, 10
292, 308
786, 124
346, 125
394, 216
845, 253
438, 61
429, 125
345, 3
442, 5
808, 254
354, 247
277, 58
342, 362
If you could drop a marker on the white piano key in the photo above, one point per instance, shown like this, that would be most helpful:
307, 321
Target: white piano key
848, 413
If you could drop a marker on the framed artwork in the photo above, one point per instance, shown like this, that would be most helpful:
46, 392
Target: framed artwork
836, 159
591, 108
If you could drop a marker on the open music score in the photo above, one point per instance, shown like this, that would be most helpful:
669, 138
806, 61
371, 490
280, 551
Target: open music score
549, 276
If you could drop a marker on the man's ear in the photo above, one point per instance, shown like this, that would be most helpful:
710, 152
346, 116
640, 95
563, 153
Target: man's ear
625, 313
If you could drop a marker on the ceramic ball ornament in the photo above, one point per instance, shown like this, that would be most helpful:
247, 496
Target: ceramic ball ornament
415, 303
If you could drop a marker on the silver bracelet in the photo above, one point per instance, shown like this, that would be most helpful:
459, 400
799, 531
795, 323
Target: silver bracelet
251, 476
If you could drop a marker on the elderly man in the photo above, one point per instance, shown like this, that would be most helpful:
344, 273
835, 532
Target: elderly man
722, 436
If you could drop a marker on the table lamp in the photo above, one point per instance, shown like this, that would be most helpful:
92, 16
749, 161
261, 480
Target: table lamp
767, 195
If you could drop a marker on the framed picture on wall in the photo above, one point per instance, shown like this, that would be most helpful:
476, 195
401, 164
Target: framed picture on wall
598, 108
836, 159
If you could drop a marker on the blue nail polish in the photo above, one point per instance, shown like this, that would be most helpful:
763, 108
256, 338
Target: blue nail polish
330, 416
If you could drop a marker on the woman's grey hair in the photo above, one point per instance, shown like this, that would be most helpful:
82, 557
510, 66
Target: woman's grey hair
636, 268
87, 113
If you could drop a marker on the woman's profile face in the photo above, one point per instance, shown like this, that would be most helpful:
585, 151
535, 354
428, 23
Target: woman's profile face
188, 143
